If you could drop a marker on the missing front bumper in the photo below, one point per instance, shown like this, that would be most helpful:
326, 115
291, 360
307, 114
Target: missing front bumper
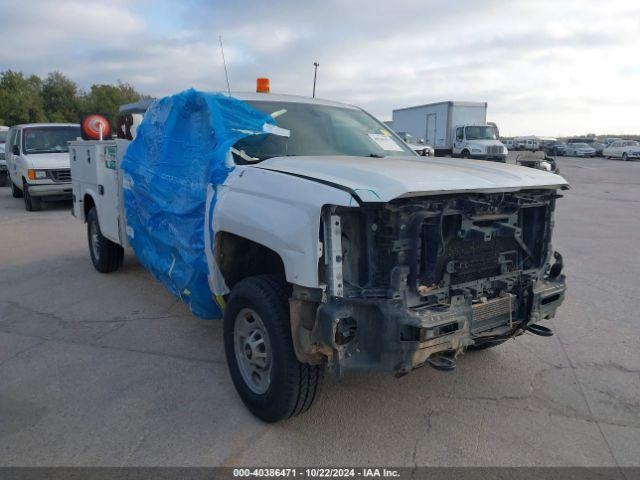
379, 335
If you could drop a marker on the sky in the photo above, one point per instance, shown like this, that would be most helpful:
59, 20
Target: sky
545, 67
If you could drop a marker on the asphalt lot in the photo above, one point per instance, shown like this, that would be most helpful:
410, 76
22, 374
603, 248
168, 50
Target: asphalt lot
111, 370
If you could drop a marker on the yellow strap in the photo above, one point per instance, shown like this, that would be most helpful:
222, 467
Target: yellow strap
220, 301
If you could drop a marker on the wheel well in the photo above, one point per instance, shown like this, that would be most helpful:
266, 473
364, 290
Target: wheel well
88, 204
239, 258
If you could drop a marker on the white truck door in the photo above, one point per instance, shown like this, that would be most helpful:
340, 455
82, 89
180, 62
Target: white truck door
458, 140
107, 179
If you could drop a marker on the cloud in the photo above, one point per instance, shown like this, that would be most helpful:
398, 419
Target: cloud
544, 67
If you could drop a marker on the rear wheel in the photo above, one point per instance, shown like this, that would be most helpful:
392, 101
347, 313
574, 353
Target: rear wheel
3, 179
270, 380
106, 255
31, 204
15, 191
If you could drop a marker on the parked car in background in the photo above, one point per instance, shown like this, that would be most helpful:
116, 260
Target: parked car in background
510, 144
624, 149
597, 145
544, 142
4, 131
38, 161
530, 143
580, 150
609, 141
417, 146
555, 148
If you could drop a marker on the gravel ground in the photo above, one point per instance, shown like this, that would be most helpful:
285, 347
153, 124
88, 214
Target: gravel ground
111, 370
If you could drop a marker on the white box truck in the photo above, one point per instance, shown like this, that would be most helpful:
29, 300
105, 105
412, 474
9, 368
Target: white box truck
453, 128
352, 253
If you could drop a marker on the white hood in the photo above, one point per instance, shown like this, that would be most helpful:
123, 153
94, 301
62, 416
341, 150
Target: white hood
48, 160
383, 179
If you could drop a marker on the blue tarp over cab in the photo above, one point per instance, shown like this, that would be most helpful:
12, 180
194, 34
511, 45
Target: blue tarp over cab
181, 148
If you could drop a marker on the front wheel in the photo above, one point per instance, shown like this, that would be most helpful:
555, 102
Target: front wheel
466, 154
270, 380
31, 203
15, 191
106, 255
625, 157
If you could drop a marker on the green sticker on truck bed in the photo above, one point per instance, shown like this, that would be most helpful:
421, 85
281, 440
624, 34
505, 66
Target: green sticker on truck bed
109, 157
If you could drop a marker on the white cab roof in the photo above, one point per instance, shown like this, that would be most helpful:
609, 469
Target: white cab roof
276, 97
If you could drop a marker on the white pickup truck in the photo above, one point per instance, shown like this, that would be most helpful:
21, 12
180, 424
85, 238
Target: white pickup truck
342, 248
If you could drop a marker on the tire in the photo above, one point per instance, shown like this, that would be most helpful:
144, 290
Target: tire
31, 204
279, 386
3, 179
625, 157
106, 255
15, 191
485, 346
465, 154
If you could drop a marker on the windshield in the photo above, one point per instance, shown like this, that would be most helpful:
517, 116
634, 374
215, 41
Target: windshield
581, 145
481, 133
3, 135
48, 139
319, 130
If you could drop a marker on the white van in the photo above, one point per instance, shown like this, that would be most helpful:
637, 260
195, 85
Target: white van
37, 156
530, 143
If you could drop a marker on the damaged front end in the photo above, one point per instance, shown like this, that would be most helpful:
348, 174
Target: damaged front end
418, 280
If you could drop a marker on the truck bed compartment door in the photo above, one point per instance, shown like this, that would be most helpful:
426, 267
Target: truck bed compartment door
107, 198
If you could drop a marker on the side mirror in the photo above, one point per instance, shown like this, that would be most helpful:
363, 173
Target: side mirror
15, 150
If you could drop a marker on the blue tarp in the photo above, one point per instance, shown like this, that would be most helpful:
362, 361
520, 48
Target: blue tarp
181, 148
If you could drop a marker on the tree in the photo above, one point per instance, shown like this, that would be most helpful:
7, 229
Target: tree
106, 99
20, 99
60, 98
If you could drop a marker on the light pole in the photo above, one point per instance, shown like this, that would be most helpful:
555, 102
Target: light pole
315, 74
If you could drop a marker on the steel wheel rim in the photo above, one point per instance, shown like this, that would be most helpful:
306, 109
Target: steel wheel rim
252, 349
95, 239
